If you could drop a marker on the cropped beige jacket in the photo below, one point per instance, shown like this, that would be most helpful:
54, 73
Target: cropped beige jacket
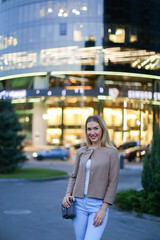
104, 173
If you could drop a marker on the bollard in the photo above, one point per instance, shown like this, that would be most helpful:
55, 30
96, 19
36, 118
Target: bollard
121, 161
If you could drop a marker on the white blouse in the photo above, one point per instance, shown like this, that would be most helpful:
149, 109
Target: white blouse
88, 166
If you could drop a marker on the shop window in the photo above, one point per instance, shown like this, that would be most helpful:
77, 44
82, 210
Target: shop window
54, 135
53, 116
134, 135
73, 136
63, 29
113, 117
133, 118
76, 116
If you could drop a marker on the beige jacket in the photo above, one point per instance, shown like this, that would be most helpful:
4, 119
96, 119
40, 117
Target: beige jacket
104, 173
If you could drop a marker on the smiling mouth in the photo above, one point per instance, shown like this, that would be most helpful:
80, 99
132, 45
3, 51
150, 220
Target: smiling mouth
93, 137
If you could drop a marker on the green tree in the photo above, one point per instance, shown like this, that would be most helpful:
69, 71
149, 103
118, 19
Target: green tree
11, 149
151, 166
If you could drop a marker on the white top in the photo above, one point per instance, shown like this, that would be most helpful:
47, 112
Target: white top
88, 166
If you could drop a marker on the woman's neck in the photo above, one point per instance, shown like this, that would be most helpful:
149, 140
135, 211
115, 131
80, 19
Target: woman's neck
94, 146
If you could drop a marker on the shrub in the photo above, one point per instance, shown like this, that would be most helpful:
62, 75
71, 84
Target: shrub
139, 201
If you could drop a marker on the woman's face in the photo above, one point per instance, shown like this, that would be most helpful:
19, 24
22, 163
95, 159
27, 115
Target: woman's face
94, 132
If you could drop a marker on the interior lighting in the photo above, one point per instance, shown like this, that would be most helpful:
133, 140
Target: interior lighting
138, 122
77, 13
37, 92
55, 141
74, 10
50, 10
19, 100
49, 93
84, 8
65, 14
61, 10
60, 14
81, 90
27, 119
64, 92
118, 31
34, 100
102, 97
76, 90
101, 90
45, 116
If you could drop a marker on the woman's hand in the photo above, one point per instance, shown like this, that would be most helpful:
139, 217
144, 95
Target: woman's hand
66, 202
99, 217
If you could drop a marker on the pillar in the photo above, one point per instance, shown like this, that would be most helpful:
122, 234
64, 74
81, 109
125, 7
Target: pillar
39, 125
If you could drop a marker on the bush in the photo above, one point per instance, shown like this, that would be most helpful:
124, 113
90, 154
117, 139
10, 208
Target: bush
139, 201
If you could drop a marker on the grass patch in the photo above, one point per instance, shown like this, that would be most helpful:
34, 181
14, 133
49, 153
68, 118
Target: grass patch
34, 173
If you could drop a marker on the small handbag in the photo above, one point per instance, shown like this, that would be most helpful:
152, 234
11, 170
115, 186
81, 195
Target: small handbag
69, 213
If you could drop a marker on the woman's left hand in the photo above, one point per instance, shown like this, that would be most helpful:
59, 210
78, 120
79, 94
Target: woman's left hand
99, 217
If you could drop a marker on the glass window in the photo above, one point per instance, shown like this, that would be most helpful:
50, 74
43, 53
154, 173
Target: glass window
63, 29
133, 118
72, 136
54, 116
76, 116
113, 117
53, 135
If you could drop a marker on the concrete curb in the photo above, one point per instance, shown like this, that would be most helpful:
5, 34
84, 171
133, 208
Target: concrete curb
34, 179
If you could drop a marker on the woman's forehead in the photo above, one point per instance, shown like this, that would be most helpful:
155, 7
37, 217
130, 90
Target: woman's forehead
92, 124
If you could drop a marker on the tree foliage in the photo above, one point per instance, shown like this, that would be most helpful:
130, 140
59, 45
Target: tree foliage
151, 166
11, 149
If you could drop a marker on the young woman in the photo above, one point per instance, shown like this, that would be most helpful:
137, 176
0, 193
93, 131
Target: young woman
94, 180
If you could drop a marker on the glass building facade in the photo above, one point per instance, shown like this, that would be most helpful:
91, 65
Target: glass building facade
63, 60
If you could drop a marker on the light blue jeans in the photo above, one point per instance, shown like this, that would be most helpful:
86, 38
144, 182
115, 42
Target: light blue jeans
86, 209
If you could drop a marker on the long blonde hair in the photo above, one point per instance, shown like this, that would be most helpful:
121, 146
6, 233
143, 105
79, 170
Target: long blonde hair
105, 140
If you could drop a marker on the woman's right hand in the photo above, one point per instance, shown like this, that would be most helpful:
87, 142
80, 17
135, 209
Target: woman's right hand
66, 202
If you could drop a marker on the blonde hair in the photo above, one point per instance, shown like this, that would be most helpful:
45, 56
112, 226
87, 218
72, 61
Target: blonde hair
105, 140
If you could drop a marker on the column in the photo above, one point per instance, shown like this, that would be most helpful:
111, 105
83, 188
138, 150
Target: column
39, 125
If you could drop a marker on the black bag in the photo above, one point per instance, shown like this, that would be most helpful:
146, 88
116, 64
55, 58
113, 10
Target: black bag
69, 213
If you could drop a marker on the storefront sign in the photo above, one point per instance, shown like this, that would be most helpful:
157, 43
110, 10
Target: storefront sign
13, 94
140, 94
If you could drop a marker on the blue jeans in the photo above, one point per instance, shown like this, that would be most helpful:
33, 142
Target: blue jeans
86, 208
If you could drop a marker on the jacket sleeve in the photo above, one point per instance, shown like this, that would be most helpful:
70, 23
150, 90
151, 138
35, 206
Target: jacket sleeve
73, 176
113, 177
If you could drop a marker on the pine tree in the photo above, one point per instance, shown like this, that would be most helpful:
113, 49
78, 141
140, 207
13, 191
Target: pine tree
11, 149
151, 166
